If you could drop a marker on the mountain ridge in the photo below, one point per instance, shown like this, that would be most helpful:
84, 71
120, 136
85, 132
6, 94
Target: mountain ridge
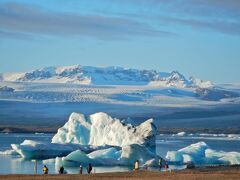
112, 75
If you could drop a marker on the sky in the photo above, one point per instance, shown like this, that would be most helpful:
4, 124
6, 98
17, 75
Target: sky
198, 38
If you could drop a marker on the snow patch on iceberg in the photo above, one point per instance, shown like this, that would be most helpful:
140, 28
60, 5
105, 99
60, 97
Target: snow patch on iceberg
200, 153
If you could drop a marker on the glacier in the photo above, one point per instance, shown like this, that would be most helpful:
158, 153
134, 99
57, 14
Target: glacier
113, 85
201, 154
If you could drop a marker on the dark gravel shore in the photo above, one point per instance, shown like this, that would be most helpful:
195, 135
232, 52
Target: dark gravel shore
213, 173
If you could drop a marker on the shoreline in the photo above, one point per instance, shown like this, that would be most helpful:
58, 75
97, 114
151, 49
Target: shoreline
207, 172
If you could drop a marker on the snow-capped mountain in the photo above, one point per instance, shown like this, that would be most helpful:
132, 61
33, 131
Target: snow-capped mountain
88, 75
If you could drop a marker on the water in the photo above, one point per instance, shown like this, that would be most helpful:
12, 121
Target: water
15, 165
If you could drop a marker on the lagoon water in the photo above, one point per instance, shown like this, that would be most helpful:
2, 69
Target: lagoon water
16, 165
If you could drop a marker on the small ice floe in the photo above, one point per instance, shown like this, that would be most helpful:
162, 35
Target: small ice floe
38, 133
180, 134
201, 154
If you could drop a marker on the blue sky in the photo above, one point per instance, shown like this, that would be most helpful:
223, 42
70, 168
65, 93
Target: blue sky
195, 37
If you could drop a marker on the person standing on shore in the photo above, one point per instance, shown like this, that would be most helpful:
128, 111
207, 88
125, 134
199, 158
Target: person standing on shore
160, 163
80, 169
61, 170
89, 168
166, 166
45, 170
136, 166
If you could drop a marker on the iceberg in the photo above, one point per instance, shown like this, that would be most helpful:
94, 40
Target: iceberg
200, 153
98, 139
128, 142
100, 129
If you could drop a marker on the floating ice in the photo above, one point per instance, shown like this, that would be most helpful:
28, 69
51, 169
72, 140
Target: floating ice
200, 153
127, 155
206, 136
98, 139
8, 152
180, 134
42, 150
130, 143
101, 129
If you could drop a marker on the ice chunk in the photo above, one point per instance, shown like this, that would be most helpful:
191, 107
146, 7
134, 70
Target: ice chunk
42, 150
101, 129
195, 150
106, 157
181, 134
127, 155
222, 157
75, 159
200, 153
9, 152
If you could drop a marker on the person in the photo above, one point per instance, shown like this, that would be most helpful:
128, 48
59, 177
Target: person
166, 166
45, 170
160, 163
61, 170
89, 168
190, 165
136, 167
80, 169
35, 167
